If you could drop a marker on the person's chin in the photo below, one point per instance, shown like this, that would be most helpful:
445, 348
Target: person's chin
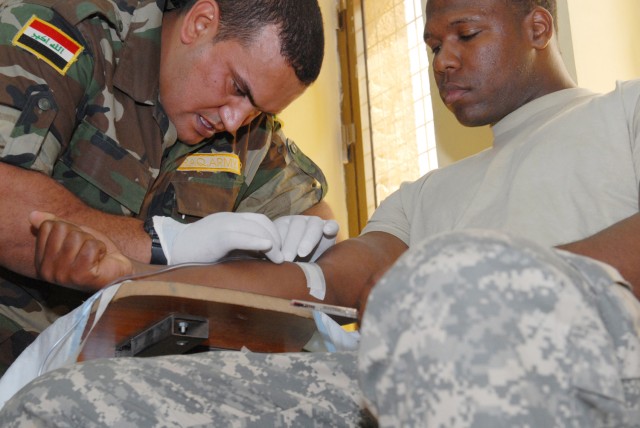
470, 116
190, 135
190, 139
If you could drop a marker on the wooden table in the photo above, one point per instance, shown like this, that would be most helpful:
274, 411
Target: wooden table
235, 319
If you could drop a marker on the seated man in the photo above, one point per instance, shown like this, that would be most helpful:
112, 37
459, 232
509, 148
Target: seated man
464, 327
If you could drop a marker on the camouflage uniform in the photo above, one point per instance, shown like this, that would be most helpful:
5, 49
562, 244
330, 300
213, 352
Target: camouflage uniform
468, 329
92, 121
487, 330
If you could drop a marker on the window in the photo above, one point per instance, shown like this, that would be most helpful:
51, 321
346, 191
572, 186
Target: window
391, 108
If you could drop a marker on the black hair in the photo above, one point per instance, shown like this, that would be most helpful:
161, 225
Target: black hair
299, 23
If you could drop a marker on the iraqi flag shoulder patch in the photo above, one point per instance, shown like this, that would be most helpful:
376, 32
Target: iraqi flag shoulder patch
49, 43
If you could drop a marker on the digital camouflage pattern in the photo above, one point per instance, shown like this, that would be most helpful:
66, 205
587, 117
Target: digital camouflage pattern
100, 131
468, 329
479, 329
220, 388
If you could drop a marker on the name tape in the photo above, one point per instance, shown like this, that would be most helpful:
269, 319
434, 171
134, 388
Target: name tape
212, 162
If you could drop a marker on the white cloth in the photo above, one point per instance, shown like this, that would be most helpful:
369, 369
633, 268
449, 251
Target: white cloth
551, 159
57, 346
335, 338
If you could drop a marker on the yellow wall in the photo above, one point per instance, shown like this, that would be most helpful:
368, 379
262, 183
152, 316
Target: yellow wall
313, 120
606, 41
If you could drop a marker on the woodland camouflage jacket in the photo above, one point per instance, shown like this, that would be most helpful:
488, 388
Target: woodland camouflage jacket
79, 101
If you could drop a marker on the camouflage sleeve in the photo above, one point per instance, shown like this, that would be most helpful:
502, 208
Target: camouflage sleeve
287, 181
43, 148
43, 73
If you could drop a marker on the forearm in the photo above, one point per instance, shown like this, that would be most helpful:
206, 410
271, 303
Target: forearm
255, 276
618, 246
351, 268
25, 191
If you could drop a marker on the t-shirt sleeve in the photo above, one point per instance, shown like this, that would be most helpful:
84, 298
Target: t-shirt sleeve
392, 215
631, 99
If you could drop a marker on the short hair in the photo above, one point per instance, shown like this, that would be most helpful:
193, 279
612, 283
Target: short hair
299, 22
526, 6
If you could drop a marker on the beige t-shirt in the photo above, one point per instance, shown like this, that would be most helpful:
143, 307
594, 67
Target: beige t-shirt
561, 168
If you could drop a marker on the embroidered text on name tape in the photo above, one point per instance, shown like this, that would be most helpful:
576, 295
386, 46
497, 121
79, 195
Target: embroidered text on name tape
212, 162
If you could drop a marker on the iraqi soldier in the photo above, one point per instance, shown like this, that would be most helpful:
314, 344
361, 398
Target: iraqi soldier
116, 112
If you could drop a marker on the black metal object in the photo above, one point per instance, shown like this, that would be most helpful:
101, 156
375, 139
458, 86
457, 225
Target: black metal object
175, 334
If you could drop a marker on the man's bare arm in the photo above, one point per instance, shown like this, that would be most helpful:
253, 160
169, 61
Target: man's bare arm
24, 191
351, 268
618, 246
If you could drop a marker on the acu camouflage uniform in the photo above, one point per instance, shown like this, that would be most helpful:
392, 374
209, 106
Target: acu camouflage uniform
95, 125
468, 329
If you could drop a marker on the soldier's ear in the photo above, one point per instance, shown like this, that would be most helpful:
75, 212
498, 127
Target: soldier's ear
202, 20
540, 27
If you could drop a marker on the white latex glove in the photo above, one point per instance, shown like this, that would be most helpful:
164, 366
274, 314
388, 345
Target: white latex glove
304, 235
212, 237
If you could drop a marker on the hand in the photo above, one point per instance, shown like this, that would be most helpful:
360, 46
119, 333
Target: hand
75, 256
212, 237
304, 236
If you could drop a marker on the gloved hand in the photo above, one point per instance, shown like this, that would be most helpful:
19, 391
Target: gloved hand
212, 237
304, 236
